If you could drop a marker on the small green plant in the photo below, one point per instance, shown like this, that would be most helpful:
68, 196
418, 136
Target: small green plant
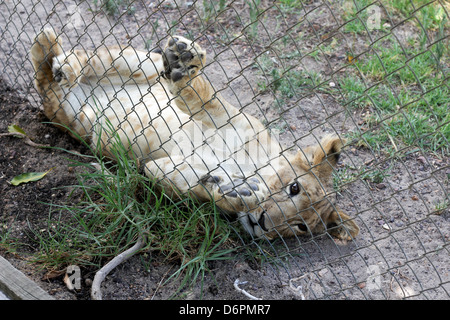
430, 13
7, 243
290, 4
289, 83
341, 177
212, 8
348, 175
440, 47
113, 7
373, 175
149, 42
356, 16
442, 206
254, 11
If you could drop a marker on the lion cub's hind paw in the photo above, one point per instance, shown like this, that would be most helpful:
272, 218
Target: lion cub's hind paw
66, 69
58, 74
182, 58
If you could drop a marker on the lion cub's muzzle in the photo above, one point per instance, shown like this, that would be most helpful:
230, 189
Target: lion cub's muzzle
256, 226
260, 225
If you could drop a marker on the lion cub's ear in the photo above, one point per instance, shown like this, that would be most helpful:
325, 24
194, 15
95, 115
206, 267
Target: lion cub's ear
326, 155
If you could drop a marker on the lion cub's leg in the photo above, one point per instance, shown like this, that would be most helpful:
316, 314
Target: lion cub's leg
107, 66
59, 76
179, 177
194, 95
117, 65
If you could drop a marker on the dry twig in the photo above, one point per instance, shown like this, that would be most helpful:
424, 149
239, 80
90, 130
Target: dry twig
236, 286
96, 293
298, 290
25, 138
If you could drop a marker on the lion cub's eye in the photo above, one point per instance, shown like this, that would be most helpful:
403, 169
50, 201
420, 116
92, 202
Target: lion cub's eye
294, 189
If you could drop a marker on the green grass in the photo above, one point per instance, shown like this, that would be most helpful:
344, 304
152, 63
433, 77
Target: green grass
401, 84
291, 83
291, 3
441, 206
118, 205
114, 7
254, 9
287, 84
430, 13
407, 91
364, 173
211, 9
358, 15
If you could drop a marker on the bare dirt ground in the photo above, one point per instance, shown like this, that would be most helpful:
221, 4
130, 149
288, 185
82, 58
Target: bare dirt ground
402, 250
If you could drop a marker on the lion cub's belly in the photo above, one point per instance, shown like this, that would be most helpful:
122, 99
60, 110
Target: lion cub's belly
149, 124
139, 115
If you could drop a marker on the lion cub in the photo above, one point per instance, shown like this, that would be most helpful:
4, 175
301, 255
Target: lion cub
191, 140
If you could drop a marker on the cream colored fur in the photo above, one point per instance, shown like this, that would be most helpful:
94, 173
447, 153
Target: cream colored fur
190, 139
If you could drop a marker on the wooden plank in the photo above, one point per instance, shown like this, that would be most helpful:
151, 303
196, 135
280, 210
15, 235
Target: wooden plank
17, 286
2, 296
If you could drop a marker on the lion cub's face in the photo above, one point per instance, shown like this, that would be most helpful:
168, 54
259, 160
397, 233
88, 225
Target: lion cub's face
297, 204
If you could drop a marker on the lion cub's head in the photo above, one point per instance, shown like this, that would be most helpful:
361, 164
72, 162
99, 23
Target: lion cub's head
297, 203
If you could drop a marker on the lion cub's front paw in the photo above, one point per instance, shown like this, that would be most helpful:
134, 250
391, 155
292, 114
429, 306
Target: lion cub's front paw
182, 58
236, 195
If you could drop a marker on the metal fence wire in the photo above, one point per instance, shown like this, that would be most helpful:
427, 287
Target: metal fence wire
375, 73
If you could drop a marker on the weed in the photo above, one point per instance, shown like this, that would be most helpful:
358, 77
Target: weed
357, 16
406, 91
212, 8
149, 42
342, 177
373, 175
254, 11
291, 3
348, 175
442, 206
113, 7
430, 14
289, 83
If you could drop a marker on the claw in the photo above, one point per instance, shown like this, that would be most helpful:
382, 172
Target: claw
176, 76
245, 192
186, 56
181, 46
58, 76
172, 41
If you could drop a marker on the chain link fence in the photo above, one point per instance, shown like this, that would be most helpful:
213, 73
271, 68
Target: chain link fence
373, 72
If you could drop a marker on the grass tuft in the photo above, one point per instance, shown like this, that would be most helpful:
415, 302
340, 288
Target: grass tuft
114, 204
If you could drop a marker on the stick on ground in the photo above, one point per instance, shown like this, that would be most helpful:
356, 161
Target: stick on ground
236, 286
96, 293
